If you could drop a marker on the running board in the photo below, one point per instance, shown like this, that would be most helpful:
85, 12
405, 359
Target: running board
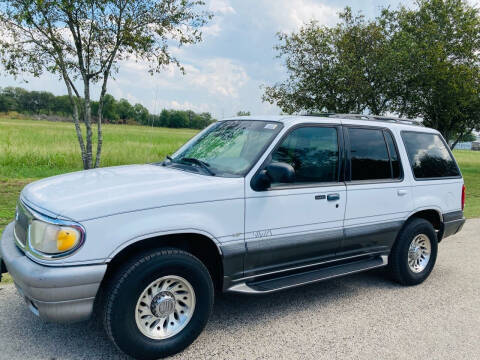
308, 277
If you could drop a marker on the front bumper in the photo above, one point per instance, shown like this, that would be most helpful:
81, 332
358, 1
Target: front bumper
58, 294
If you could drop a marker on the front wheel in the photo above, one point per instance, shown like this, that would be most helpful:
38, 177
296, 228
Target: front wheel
158, 304
414, 254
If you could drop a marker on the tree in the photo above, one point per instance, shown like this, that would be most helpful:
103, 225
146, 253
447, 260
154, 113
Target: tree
62, 105
243, 113
124, 110
421, 62
84, 41
437, 62
140, 113
468, 138
339, 69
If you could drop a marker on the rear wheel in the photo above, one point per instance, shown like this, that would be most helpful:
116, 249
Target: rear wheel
158, 303
414, 254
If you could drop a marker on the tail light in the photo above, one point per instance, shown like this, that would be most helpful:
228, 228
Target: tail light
464, 189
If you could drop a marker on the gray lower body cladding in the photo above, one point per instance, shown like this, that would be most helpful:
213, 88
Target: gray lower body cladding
302, 252
452, 223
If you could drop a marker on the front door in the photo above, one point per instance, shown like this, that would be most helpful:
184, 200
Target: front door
299, 223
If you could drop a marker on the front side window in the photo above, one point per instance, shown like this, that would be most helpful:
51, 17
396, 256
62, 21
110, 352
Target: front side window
227, 148
312, 152
429, 156
369, 157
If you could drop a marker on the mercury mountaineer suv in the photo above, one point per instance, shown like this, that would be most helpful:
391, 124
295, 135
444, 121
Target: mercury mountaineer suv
249, 205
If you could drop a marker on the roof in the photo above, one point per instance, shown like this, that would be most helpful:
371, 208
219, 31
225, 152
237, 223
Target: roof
357, 119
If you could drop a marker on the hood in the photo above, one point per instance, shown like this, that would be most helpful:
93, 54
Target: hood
101, 192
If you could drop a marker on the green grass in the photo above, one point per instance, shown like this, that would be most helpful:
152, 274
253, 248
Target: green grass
36, 149
469, 162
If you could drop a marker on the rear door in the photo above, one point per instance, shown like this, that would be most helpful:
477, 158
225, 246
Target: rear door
300, 223
379, 197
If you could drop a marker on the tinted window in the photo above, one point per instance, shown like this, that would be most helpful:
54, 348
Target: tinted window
312, 152
392, 150
429, 156
368, 154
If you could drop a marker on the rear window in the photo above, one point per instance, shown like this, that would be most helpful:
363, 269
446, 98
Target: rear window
429, 156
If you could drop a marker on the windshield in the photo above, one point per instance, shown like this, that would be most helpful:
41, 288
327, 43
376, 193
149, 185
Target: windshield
227, 148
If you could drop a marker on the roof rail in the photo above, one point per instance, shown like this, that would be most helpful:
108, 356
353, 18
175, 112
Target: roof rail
370, 117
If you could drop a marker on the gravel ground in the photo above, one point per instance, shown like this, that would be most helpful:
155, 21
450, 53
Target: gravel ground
363, 316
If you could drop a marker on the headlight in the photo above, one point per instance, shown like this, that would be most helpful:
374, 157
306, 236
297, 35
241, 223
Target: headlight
54, 239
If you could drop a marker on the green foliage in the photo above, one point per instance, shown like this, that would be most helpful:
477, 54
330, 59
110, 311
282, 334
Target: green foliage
341, 69
180, 119
121, 111
437, 64
422, 62
468, 138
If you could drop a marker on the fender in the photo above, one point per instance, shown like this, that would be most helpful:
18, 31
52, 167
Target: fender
423, 208
164, 233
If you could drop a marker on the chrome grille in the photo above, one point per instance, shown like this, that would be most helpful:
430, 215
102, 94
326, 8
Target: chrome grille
22, 221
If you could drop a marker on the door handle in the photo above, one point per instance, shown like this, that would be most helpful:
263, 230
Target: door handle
333, 197
401, 192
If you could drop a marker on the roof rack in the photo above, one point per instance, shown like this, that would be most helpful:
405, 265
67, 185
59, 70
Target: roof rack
370, 118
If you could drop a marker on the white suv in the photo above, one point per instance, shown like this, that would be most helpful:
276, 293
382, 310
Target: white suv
249, 205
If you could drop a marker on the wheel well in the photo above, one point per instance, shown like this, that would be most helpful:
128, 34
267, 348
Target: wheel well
198, 245
431, 216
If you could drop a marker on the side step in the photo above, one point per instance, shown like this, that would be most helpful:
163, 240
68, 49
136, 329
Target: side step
307, 277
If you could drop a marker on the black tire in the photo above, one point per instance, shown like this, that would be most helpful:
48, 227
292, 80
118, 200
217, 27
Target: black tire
125, 287
398, 259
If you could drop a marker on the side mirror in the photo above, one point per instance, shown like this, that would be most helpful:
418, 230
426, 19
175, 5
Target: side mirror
280, 172
261, 181
277, 172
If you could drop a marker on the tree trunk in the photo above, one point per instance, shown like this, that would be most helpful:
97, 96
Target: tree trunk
76, 119
459, 137
99, 121
87, 116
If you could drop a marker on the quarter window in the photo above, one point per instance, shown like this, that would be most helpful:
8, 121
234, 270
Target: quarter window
429, 156
394, 158
312, 152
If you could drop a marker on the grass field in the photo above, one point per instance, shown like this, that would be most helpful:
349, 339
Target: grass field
30, 150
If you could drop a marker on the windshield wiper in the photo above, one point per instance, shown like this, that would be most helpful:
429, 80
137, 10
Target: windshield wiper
201, 163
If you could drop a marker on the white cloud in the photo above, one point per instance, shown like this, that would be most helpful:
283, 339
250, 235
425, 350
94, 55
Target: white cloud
292, 14
221, 7
211, 30
219, 76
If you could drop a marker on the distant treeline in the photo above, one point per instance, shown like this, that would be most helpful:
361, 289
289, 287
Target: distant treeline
114, 111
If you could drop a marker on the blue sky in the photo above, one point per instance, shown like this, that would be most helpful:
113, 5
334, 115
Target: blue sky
226, 70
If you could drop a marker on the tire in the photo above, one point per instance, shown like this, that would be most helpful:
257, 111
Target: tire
403, 268
123, 309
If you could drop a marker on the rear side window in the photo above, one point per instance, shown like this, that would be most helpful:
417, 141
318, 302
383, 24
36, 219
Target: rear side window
373, 155
429, 156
